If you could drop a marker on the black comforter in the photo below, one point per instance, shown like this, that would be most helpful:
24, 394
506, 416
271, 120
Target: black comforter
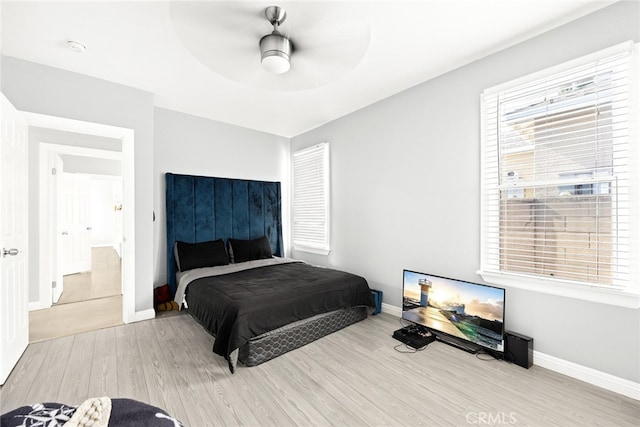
238, 306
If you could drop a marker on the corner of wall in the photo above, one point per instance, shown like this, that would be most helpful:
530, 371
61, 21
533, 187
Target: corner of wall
583, 373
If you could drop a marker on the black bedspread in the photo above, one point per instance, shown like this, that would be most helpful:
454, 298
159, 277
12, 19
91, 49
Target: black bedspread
238, 306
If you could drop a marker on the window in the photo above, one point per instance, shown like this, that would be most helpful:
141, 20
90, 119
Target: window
311, 199
557, 166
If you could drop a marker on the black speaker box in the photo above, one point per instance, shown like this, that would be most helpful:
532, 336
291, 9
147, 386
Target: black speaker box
519, 349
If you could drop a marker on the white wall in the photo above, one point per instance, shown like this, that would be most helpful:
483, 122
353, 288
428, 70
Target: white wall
405, 193
92, 165
46, 90
0, 40
187, 144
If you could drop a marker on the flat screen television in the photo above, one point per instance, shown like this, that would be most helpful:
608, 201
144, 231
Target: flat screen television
464, 314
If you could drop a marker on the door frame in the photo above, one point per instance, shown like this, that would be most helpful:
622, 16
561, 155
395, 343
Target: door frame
47, 234
128, 201
50, 204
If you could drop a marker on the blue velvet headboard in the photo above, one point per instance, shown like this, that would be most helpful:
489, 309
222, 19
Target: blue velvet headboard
205, 208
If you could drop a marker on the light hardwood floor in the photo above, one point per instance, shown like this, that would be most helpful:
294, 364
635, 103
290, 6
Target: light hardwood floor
353, 377
74, 318
90, 301
104, 279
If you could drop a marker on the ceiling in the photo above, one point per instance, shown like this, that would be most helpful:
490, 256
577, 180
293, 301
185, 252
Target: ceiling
202, 58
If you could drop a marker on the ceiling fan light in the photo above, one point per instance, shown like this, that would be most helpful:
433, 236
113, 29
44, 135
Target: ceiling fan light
275, 50
276, 63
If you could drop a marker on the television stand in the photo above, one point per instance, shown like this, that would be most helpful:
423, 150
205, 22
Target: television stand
462, 345
414, 336
469, 347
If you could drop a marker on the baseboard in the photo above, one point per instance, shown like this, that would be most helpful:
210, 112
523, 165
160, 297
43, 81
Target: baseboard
139, 316
39, 305
391, 309
588, 375
570, 369
36, 305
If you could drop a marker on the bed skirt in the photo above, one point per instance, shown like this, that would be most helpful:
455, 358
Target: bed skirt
282, 340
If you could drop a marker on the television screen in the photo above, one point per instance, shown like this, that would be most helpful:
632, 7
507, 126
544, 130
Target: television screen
455, 310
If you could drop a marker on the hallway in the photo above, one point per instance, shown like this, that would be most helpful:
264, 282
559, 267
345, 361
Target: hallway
90, 300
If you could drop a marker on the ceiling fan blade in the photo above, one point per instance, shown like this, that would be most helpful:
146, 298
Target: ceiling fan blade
328, 40
237, 19
224, 36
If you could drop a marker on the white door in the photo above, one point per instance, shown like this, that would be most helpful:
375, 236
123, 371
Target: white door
54, 172
14, 292
76, 227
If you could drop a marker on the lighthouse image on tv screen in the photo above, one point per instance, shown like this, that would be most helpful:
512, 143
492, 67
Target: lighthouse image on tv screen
464, 310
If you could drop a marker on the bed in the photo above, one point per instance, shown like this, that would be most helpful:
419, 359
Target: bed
225, 266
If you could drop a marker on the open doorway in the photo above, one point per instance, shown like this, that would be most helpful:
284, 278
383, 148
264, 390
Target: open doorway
85, 213
85, 200
90, 234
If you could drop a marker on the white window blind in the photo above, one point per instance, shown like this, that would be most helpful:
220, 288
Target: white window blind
556, 163
311, 199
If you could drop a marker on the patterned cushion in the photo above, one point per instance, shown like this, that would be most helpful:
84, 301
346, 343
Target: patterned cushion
122, 413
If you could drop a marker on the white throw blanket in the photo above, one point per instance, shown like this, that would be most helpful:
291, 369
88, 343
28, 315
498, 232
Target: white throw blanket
94, 412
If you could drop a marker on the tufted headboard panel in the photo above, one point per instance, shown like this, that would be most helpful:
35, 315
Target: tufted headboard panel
205, 208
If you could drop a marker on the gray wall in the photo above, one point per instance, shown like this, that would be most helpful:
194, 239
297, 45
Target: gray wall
51, 91
192, 145
405, 193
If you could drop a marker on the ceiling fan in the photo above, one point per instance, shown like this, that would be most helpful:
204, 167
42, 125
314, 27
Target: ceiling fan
319, 43
275, 49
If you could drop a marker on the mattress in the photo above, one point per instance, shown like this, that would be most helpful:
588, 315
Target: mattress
282, 340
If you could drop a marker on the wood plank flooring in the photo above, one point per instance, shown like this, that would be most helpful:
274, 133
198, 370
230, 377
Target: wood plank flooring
68, 319
90, 301
104, 279
353, 377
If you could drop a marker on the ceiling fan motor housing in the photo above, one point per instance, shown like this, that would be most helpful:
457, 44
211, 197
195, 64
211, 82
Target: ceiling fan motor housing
276, 52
